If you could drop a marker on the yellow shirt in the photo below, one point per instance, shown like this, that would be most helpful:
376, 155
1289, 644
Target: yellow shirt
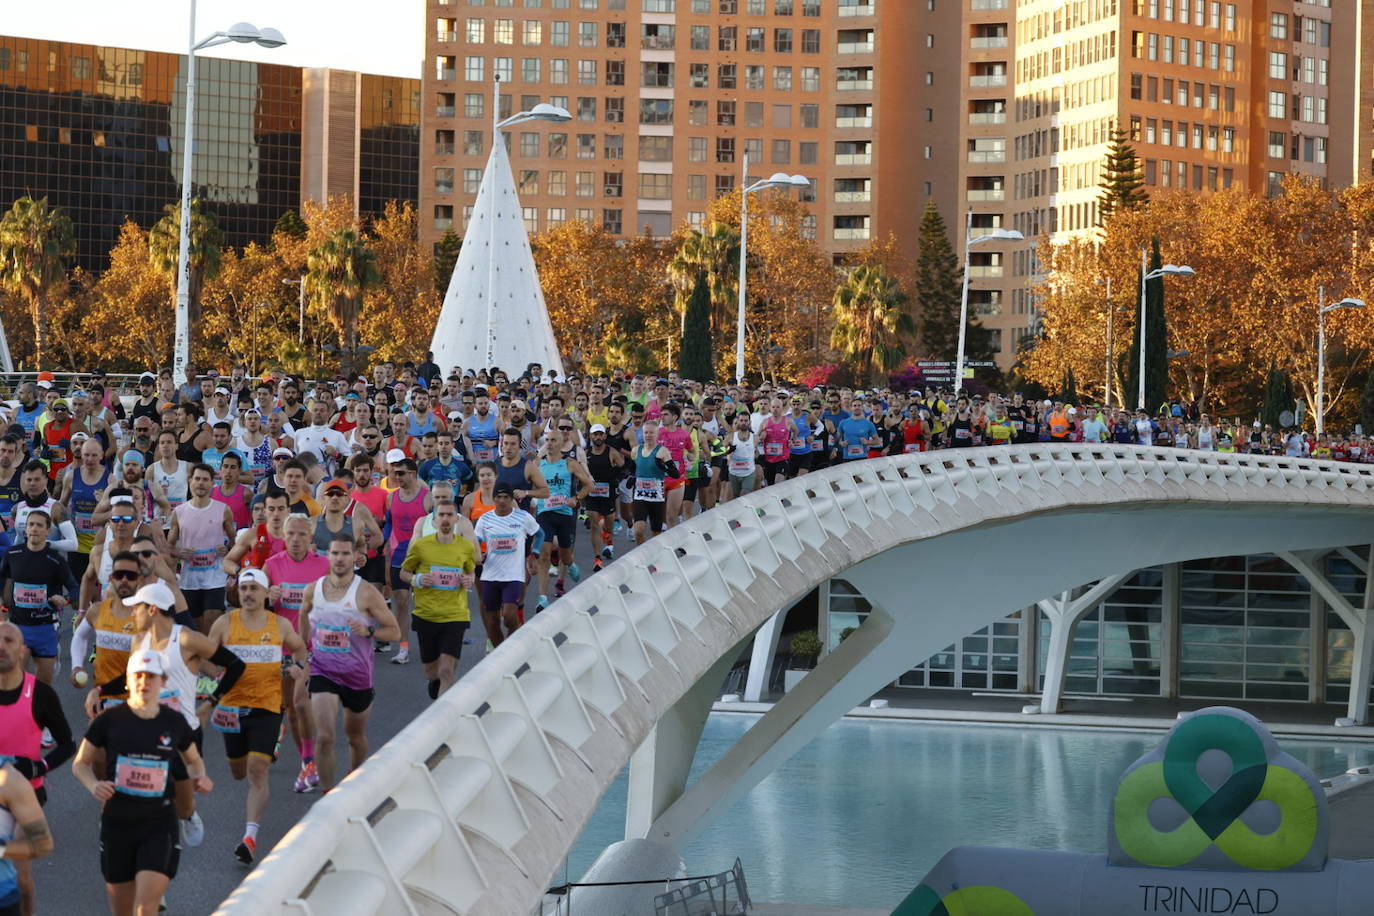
261, 652
114, 638
443, 598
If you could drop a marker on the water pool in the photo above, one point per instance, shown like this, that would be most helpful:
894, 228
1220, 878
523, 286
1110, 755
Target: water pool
861, 813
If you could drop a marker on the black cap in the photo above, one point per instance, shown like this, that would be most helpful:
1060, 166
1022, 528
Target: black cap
503, 489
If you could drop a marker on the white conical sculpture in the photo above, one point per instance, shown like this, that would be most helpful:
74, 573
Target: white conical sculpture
499, 291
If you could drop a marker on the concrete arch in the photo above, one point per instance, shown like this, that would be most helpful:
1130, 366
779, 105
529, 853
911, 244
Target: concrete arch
474, 805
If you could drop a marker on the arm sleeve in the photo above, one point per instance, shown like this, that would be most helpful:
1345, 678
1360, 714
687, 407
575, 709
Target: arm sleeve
233, 670
81, 644
48, 713
67, 537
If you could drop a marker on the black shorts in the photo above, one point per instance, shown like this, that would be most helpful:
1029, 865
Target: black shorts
652, 512
437, 638
798, 463
129, 845
690, 489
258, 732
396, 581
771, 470
200, 600
374, 570
601, 505
352, 700
558, 528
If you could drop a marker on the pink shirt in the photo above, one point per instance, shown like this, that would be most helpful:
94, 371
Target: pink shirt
237, 502
293, 577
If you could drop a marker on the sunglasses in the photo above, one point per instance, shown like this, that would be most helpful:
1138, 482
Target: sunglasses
366, 436
279, 458
145, 553
566, 429
126, 575
125, 519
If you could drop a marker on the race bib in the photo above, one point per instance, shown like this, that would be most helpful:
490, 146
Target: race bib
204, 559
911, 447
741, 467
170, 698
114, 642
30, 596
140, 776
444, 578
600, 491
557, 501
772, 449
292, 593
83, 522
963, 434
502, 545
57, 454
331, 638
855, 451
226, 719
483, 453
649, 489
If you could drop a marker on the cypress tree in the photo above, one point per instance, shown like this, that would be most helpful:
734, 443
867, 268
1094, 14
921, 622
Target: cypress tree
939, 285
445, 259
290, 223
1068, 389
1123, 185
1367, 405
1278, 397
697, 361
1156, 343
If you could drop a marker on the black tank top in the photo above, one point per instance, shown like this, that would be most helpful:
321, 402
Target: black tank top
187, 451
600, 467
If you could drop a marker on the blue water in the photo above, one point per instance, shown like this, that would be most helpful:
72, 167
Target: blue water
861, 813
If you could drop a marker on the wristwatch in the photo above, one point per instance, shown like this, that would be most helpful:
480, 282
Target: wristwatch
371, 629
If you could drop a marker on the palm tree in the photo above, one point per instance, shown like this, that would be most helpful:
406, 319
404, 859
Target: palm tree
872, 323
35, 241
338, 272
203, 254
713, 254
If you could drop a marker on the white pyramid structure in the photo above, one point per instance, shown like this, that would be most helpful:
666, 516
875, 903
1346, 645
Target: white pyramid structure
521, 330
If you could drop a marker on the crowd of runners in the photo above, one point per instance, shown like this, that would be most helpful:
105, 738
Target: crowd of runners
232, 555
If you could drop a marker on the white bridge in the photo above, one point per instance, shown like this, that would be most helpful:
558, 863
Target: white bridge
472, 808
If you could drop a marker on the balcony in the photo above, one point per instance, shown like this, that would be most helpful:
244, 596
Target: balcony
851, 235
443, 187
443, 111
977, 232
853, 197
855, 47
984, 271
987, 81
853, 158
442, 224
989, 4
864, 10
986, 194
991, 155
443, 149
987, 117
447, 73
446, 35
859, 85
854, 122
987, 41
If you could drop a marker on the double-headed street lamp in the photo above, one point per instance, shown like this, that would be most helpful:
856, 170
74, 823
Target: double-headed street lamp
1168, 270
541, 112
242, 33
996, 235
1322, 309
777, 180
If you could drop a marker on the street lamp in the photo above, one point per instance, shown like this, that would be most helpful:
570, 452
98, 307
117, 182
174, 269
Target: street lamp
241, 33
1168, 270
541, 112
996, 235
1322, 309
777, 180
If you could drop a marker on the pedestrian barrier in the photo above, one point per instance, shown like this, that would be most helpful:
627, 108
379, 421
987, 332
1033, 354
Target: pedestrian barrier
474, 805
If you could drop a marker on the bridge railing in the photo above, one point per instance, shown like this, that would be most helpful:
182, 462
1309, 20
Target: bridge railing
507, 749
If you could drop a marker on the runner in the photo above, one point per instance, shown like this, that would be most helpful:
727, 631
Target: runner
855, 434
255, 545
231, 491
556, 512
523, 475
439, 567
405, 506
653, 464
677, 439
340, 616
288, 573
24, 836
145, 746
201, 531
505, 534
606, 466
110, 627
81, 490
480, 429
741, 459
343, 514
37, 582
249, 715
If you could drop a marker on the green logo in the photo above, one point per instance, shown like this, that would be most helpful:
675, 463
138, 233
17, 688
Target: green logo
1214, 815
966, 901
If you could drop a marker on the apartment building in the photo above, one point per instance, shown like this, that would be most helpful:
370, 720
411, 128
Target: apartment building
667, 96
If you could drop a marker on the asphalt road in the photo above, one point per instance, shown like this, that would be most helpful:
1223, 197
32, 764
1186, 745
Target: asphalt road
69, 880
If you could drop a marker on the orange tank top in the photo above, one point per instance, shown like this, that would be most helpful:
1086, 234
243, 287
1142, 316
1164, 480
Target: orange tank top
479, 508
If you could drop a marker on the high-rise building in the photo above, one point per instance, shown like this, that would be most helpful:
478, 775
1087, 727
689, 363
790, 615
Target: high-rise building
667, 96
98, 131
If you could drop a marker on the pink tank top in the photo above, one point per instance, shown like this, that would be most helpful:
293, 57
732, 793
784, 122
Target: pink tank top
20, 736
293, 576
775, 441
243, 516
676, 442
404, 517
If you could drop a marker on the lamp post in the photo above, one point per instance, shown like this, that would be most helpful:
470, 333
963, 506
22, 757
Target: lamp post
776, 180
242, 33
541, 112
1322, 309
1168, 270
996, 235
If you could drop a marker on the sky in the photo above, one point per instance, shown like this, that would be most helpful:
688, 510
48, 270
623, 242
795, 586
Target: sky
374, 36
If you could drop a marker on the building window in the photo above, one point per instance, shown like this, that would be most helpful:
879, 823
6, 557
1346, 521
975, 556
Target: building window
472, 180
659, 149
610, 221
696, 148
557, 184
655, 187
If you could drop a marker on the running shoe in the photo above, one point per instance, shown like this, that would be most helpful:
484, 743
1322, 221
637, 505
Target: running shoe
302, 783
597, 564
543, 603
246, 850
558, 590
433, 689
312, 775
608, 552
192, 830
380, 647
402, 656
574, 573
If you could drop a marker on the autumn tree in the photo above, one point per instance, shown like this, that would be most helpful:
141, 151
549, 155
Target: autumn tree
1123, 185
939, 279
400, 311
127, 324
35, 242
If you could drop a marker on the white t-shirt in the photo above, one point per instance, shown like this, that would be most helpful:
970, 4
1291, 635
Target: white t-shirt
504, 537
317, 438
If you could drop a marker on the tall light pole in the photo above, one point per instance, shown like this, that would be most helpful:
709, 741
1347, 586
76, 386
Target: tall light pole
243, 33
996, 235
777, 180
541, 112
1168, 270
1111, 314
1322, 309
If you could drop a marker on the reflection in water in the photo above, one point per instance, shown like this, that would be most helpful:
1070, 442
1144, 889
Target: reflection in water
860, 814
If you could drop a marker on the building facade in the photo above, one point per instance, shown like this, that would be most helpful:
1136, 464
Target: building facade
667, 97
98, 131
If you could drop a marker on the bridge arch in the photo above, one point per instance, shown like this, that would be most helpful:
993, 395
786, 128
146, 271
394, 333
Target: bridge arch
474, 805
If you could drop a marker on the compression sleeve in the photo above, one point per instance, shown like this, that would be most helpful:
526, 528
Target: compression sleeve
67, 540
233, 670
81, 644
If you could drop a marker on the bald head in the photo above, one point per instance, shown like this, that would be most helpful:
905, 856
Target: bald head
11, 653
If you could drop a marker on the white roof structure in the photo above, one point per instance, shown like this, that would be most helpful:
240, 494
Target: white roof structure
521, 330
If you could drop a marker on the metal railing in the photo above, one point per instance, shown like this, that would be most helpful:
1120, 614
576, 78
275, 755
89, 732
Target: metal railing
472, 807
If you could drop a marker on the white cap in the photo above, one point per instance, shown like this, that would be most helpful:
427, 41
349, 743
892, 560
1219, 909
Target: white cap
1048, 402
155, 593
254, 575
283, 453
80, 436
44, 384
455, 415
598, 428
146, 661
221, 390
395, 455
1073, 411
